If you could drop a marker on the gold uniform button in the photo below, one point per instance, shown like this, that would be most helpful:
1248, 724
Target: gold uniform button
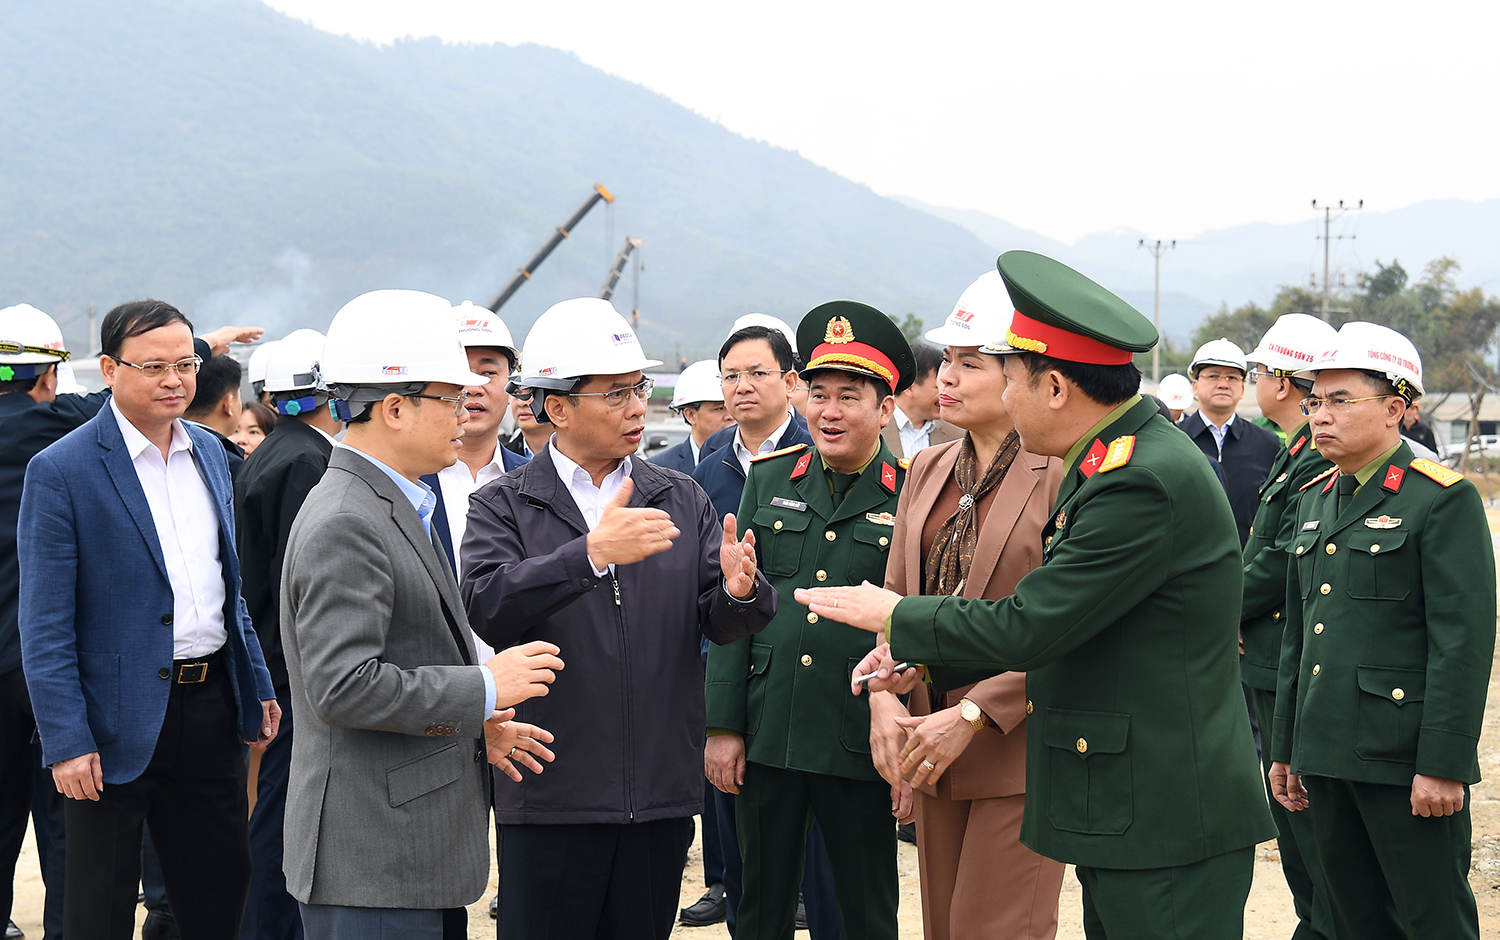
1325, 588
1276, 615
1374, 549
1028, 706
777, 526
829, 535
1082, 746
812, 617
1317, 628
1300, 548
1317, 668
1331, 548
1047, 543
884, 541
1398, 694
821, 575
806, 660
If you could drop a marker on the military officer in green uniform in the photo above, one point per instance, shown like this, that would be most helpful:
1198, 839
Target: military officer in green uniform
785, 734
1292, 343
1140, 767
1386, 656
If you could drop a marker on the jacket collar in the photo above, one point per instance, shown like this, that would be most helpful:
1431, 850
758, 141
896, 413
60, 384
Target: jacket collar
865, 494
1373, 492
539, 483
1131, 421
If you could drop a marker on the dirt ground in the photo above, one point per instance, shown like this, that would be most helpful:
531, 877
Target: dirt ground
1268, 914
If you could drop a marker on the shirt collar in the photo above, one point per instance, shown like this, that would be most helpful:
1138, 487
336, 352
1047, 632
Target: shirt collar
419, 494
1363, 474
1220, 428
903, 422
136, 442
773, 441
568, 471
1077, 449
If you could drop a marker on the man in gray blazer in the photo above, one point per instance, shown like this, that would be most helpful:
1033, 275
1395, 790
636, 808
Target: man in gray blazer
916, 425
386, 808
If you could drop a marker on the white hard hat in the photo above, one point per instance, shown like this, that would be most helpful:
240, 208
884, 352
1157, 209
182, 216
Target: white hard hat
1371, 347
1218, 352
573, 338
1175, 390
698, 382
67, 380
480, 326
256, 367
29, 342
766, 320
393, 338
291, 365
981, 315
1292, 343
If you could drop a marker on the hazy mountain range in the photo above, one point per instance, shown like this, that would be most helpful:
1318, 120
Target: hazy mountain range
250, 168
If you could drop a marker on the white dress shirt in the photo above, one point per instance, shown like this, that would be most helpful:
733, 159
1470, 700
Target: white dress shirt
742, 453
457, 484
187, 526
914, 438
591, 499
1219, 432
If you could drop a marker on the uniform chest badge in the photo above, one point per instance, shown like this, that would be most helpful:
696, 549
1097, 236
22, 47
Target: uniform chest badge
1382, 522
881, 518
1281, 479
1310, 526
792, 504
1061, 520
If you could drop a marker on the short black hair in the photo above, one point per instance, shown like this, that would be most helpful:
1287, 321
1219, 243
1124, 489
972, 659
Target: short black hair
928, 359
1107, 385
881, 386
134, 318
24, 385
786, 359
1384, 386
216, 378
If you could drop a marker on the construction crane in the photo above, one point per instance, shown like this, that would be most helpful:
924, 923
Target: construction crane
621, 259
600, 194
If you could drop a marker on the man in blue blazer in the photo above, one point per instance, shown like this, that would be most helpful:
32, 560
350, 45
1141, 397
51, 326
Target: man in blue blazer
134, 633
699, 399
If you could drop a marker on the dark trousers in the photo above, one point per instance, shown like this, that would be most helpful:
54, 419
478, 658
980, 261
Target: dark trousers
1298, 848
713, 852
601, 881
817, 876
17, 725
1198, 901
271, 913
775, 811
47, 808
1391, 874
331, 922
192, 795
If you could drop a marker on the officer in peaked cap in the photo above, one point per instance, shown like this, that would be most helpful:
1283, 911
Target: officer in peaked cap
785, 734
1385, 658
1140, 767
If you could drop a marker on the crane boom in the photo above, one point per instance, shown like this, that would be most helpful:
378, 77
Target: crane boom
631, 244
563, 231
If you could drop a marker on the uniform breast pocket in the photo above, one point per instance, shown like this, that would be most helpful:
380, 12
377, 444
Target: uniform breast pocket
1379, 569
872, 544
1302, 551
778, 539
1390, 712
755, 685
1088, 760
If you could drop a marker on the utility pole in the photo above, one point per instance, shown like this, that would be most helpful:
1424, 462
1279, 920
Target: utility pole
1328, 212
1157, 249
93, 332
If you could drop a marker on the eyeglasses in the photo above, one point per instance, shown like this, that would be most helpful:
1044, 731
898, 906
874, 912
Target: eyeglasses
1259, 374
1217, 377
458, 402
1311, 406
616, 398
156, 370
754, 376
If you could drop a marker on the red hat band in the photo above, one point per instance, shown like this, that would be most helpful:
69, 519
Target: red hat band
861, 356
1044, 339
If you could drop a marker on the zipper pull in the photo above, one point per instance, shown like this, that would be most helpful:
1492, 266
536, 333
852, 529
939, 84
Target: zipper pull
616, 583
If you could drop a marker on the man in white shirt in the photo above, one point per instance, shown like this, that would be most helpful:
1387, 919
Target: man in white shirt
916, 425
134, 634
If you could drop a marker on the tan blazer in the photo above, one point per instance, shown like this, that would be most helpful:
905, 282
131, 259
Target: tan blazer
942, 433
1010, 545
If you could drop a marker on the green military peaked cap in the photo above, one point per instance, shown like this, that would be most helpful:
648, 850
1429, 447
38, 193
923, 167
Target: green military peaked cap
855, 337
1065, 315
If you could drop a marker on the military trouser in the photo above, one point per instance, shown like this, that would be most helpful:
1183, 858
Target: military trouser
1202, 900
1391, 874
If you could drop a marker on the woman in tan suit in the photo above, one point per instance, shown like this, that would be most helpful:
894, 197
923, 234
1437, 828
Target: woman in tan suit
969, 523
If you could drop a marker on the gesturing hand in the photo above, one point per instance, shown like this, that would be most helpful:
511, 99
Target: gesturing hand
624, 535
218, 341
508, 743
933, 743
864, 605
737, 561
886, 679
523, 672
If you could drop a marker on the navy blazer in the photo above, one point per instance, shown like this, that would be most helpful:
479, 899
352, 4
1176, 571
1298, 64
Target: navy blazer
678, 457
96, 606
1249, 450
718, 471
509, 460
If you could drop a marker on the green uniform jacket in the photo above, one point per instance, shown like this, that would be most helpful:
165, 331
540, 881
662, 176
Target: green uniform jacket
1263, 611
1391, 631
787, 688
1139, 752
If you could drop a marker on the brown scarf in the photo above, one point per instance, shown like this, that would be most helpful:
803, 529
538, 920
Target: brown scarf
953, 547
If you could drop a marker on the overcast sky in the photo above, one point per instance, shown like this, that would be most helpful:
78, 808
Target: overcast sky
1064, 118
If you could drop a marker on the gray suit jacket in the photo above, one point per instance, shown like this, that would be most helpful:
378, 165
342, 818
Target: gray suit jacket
387, 802
942, 433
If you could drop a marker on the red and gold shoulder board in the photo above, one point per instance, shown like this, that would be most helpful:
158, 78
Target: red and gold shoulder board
1431, 469
1319, 478
888, 476
803, 463
778, 453
1092, 459
1297, 446
1119, 453
903, 463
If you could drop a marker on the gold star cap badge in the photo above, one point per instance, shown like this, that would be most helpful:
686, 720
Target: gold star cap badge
839, 331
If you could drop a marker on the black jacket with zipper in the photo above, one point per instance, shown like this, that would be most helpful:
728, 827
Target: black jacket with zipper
627, 710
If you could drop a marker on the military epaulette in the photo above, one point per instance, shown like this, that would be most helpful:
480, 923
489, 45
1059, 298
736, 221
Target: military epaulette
1319, 478
1119, 453
1445, 476
778, 453
903, 462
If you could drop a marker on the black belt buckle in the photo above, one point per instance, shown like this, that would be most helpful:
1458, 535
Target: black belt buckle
192, 673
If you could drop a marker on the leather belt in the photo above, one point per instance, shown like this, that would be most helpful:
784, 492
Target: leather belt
193, 671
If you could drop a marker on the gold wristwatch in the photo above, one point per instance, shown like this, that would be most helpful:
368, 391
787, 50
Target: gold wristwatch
971, 713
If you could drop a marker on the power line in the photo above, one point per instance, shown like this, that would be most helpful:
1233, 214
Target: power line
1157, 249
1328, 216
